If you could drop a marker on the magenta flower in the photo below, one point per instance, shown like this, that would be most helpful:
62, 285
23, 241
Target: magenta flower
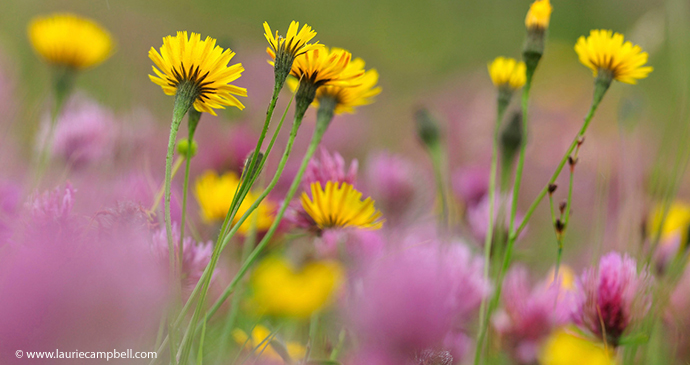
411, 301
85, 133
530, 314
329, 167
392, 182
195, 256
614, 294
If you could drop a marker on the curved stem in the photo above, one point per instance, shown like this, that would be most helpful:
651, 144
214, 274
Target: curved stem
192, 121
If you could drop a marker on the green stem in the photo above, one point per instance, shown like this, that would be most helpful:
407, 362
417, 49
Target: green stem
324, 117
302, 105
488, 239
192, 122
63, 83
602, 84
437, 160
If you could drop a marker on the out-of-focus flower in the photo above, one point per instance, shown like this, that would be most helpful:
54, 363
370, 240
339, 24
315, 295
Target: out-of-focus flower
614, 295
604, 52
215, 193
672, 235
69, 40
529, 314
52, 206
359, 244
85, 133
280, 289
199, 68
10, 204
77, 290
539, 15
195, 256
564, 347
507, 73
262, 341
329, 167
411, 301
471, 184
478, 216
339, 205
391, 179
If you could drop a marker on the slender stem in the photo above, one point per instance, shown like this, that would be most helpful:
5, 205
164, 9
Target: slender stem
602, 84
488, 239
322, 122
299, 115
192, 122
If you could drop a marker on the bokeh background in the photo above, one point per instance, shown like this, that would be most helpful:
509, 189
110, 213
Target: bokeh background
429, 53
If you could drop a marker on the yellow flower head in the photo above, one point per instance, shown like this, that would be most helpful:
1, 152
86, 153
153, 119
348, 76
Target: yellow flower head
564, 347
340, 206
201, 64
605, 51
539, 15
281, 290
261, 339
321, 67
69, 40
215, 193
294, 43
677, 222
507, 73
347, 98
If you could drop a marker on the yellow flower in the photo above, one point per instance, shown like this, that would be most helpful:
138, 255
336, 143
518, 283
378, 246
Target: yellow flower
294, 43
215, 193
539, 15
260, 342
279, 289
604, 51
322, 66
339, 206
69, 40
347, 98
201, 65
566, 275
566, 348
677, 222
507, 73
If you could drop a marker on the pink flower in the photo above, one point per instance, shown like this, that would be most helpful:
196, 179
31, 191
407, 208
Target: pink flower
410, 301
77, 289
195, 256
529, 314
393, 183
85, 133
329, 167
614, 295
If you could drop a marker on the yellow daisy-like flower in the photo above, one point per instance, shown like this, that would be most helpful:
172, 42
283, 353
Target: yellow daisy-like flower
261, 342
340, 206
323, 66
347, 98
215, 193
280, 289
69, 40
539, 15
605, 51
294, 43
507, 73
201, 66
564, 347
677, 221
